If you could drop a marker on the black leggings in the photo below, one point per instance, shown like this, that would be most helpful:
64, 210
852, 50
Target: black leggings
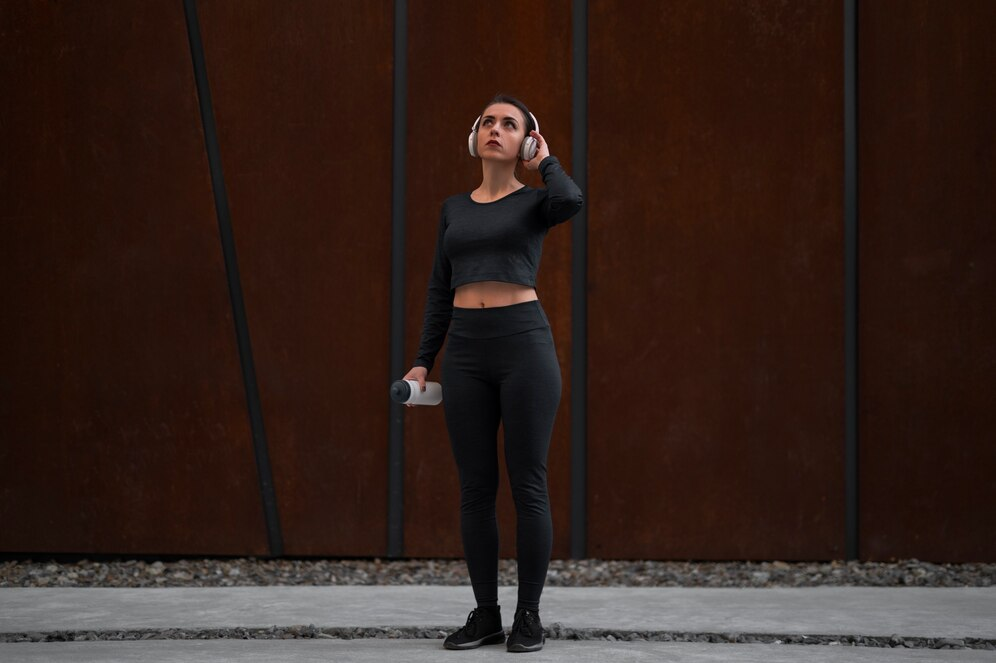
501, 364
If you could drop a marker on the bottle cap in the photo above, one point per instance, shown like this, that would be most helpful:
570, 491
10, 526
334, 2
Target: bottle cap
401, 391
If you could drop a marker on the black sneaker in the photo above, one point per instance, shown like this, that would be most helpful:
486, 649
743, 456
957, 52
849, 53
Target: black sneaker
483, 627
527, 632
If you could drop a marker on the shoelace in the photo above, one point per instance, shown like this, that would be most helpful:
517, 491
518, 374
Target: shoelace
524, 622
470, 626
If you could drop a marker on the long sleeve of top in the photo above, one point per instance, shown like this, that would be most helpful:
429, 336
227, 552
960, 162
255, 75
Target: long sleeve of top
497, 241
563, 197
438, 303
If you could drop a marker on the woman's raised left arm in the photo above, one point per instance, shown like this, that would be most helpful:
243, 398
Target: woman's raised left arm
563, 197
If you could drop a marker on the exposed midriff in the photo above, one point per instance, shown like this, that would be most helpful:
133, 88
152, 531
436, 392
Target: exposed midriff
489, 294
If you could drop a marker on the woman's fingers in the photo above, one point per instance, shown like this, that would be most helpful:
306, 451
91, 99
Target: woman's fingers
418, 374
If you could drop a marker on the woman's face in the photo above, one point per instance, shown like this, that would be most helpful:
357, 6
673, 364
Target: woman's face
501, 132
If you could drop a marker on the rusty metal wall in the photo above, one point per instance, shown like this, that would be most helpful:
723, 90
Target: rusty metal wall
458, 57
927, 280
302, 100
715, 282
715, 290
122, 408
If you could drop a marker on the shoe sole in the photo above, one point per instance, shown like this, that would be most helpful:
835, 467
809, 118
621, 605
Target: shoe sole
520, 648
493, 639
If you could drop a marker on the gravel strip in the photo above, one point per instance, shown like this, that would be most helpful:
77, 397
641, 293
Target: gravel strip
251, 571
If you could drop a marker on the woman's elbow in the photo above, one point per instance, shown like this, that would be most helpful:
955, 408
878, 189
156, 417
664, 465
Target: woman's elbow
570, 205
577, 202
564, 210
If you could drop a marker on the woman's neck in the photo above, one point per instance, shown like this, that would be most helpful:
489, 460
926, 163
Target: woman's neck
499, 179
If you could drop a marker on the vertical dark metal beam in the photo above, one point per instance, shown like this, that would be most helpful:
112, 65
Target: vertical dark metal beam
579, 284
851, 275
396, 430
263, 469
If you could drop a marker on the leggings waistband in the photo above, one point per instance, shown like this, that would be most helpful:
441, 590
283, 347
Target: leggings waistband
498, 320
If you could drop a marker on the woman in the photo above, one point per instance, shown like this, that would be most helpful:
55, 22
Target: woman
500, 364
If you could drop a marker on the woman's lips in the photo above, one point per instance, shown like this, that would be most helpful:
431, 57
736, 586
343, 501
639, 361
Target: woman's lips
494, 142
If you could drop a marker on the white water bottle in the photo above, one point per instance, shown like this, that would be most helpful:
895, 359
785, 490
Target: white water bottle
407, 392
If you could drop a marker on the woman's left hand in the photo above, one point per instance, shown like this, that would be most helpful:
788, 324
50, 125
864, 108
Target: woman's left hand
542, 151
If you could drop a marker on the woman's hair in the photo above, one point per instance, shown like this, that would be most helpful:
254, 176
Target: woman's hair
508, 99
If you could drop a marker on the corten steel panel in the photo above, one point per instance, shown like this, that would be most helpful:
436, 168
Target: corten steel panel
459, 56
122, 406
302, 96
715, 358
927, 280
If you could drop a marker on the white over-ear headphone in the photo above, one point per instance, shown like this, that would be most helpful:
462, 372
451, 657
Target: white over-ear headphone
526, 152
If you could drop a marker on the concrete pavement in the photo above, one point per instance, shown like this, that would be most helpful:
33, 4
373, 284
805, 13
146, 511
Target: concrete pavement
911, 612
394, 651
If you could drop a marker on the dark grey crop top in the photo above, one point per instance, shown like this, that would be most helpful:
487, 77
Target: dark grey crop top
496, 241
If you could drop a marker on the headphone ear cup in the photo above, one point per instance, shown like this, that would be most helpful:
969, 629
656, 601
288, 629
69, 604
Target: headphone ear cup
529, 145
472, 138
528, 150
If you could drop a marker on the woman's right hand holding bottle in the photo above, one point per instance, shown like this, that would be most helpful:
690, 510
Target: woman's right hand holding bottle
419, 373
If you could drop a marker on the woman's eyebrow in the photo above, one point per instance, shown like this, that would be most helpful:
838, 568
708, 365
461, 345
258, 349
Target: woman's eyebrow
507, 117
